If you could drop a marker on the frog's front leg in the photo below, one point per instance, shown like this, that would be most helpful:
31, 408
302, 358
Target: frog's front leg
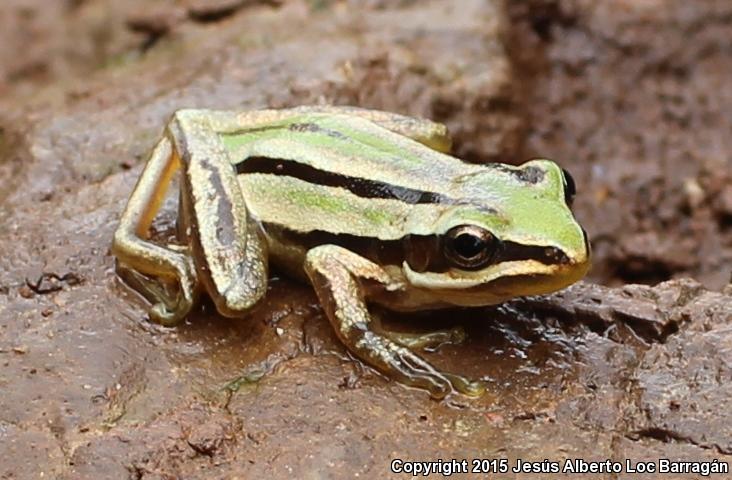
427, 340
342, 280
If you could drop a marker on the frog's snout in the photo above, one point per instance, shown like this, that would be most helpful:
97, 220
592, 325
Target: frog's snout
579, 261
582, 256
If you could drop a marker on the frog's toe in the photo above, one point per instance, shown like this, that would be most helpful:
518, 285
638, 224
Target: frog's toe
170, 302
431, 340
457, 335
160, 313
412, 370
169, 311
172, 308
469, 388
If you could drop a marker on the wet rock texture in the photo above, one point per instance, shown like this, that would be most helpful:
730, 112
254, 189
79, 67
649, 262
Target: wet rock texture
633, 97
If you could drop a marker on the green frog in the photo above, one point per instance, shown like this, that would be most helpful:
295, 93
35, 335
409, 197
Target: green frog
365, 205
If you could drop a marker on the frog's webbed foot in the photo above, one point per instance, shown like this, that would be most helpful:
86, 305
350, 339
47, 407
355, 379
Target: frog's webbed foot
335, 273
171, 300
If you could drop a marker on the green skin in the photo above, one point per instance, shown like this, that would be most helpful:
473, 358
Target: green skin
357, 245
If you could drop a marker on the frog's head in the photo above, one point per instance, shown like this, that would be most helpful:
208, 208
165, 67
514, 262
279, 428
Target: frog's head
511, 234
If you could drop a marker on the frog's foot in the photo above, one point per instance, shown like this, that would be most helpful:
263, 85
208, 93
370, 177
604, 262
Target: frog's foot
431, 340
339, 276
405, 366
171, 302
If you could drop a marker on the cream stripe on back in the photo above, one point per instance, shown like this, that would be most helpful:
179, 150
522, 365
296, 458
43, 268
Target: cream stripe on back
304, 207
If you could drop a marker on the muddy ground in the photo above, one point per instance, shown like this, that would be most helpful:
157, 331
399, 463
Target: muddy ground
633, 97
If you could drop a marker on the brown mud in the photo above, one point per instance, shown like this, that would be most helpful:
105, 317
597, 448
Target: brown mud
633, 97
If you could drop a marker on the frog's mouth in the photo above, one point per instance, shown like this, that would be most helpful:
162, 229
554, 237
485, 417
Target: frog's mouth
499, 283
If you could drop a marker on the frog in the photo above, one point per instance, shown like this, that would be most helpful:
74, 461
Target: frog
367, 206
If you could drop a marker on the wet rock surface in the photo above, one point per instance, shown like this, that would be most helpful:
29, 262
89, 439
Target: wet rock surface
632, 107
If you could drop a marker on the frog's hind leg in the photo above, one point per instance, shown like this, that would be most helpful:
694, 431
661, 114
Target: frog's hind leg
226, 243
164, 275
339, 277
223, 250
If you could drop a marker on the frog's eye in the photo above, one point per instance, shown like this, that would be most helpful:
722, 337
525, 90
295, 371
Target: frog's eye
470, 247
570, 189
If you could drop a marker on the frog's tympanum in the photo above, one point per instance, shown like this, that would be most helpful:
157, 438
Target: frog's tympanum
365, 205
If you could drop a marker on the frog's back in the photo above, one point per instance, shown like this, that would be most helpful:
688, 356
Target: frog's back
320, 175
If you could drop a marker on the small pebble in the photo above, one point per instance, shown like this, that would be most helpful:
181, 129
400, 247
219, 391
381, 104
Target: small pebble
25, 291
725, 200
694, 192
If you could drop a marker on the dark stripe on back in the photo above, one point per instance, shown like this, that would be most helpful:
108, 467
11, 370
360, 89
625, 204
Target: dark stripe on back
358, 186
315, 128
293, 127
530, 174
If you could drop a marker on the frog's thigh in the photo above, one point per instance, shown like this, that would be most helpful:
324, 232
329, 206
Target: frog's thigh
335, 273
150, 268
229, 251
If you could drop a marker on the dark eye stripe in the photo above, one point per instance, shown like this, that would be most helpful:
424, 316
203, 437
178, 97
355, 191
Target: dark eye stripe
358, 186
423, 253
505, 252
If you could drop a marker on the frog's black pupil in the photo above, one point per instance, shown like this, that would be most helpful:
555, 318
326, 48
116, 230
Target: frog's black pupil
468, 246
570, 189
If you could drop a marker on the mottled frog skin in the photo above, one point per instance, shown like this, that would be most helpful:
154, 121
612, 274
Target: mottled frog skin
365, 205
